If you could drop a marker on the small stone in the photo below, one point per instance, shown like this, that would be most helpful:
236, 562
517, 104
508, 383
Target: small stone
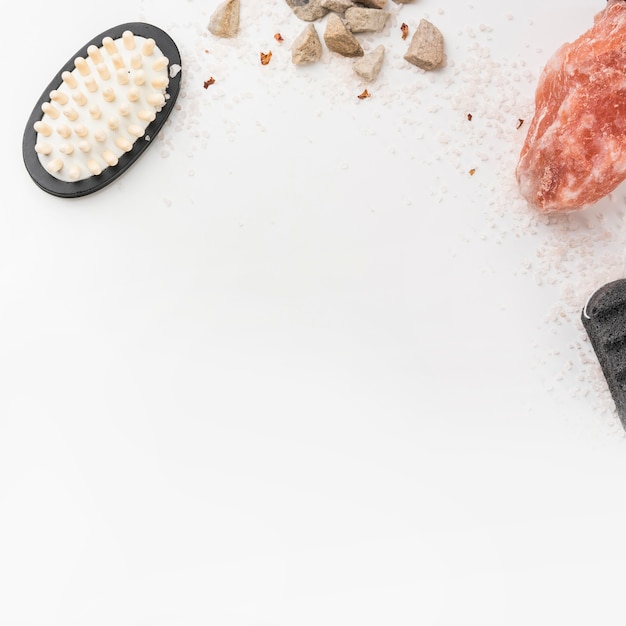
307, 47
360, 20
339, 39
373, 4
224, 21
337, 6
307, 10
369, 65
426, 48
574, 151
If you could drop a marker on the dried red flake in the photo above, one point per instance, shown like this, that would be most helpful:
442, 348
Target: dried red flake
469, 117
279, 38
364, 94
265, 57
405, 30
208, 83
472, 171
574, 153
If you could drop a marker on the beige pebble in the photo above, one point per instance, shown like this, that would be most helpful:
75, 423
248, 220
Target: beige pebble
426, 47
224, 21
339, 39
307, 47
369, 65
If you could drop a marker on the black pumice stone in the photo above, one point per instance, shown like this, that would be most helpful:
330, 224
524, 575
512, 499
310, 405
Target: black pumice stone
604, 319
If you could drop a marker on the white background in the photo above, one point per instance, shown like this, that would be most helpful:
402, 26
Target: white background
298, 366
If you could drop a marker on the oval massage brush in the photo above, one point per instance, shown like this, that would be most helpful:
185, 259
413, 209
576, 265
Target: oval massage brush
102, 109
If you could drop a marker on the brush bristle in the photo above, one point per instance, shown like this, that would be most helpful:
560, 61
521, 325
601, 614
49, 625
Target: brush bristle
101, 107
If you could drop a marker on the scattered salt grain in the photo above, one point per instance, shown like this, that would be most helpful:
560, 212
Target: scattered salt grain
574, 254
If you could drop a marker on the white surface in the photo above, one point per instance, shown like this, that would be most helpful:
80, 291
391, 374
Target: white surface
298, 366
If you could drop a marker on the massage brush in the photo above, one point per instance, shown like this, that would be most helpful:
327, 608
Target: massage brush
102, 110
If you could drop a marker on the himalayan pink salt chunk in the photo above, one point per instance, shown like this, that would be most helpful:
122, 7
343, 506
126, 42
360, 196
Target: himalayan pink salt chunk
575, 151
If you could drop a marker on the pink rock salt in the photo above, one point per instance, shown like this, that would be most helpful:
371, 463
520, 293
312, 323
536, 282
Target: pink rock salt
575, 150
